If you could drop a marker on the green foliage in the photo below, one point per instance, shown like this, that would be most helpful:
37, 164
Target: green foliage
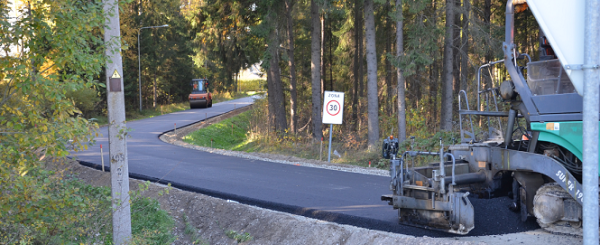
416, 123
85, 99
54, 47
51, 47
222, 42
383, 163
133, 115
239, 237
421, 39
165, 54
54, 51
150, 223
431, 144
252, 85
225, 96
42, 207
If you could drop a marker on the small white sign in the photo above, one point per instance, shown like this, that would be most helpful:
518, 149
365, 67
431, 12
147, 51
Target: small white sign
333, 107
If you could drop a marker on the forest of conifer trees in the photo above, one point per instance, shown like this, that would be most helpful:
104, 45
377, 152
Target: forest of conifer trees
307, 47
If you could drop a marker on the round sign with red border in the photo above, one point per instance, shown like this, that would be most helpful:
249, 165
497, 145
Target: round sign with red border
333, 109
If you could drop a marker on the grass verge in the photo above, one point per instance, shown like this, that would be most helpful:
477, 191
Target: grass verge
229, 134
237, 134
150, 223
249, 132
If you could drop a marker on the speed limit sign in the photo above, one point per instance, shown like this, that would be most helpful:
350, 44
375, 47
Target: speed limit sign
333, 107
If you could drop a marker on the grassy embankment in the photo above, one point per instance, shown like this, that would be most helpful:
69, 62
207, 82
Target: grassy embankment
248, 132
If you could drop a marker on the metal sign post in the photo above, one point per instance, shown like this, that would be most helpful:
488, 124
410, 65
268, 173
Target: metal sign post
333, 113
117, 146
590, 123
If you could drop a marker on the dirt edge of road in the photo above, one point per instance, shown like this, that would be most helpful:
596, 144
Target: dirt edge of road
201, 219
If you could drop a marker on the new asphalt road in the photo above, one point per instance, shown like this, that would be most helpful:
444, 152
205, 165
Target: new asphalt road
342, 197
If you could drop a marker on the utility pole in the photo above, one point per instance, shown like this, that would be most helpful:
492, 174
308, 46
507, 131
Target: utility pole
590, 122
117, 131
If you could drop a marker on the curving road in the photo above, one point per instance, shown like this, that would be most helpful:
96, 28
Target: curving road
342, 197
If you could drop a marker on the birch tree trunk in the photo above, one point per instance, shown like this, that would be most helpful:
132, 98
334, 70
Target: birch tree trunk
372, 108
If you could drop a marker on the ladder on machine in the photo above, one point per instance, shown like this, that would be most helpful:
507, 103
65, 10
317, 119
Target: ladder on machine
469, 136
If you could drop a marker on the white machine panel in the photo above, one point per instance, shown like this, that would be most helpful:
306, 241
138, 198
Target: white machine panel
563, 22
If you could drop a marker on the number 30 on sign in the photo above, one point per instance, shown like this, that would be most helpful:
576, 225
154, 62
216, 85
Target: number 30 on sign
333, 107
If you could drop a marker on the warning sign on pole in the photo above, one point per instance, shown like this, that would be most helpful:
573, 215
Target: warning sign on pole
333, 107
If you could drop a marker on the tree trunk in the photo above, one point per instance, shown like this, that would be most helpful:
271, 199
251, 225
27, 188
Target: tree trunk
292, 64
434, 85
271, 102
323, 70
446, 116
388, 65
361, 64
400, 82
434, 80
277, 86
355, 65
373, 118
361, 54
464, 60
487, 15
456, 41
315, 68
154, 92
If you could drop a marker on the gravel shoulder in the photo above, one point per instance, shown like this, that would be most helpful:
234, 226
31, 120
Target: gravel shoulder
202, 219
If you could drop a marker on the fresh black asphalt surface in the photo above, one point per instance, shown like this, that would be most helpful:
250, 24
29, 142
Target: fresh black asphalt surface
342, 197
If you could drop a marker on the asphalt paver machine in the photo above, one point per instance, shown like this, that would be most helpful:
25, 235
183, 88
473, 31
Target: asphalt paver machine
534, 153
